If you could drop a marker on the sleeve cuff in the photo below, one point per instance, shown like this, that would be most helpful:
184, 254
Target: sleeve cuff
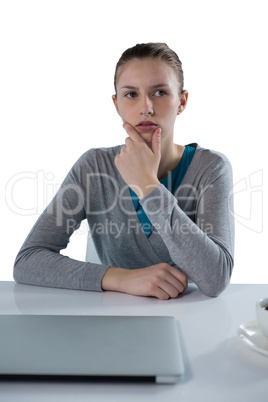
93, 276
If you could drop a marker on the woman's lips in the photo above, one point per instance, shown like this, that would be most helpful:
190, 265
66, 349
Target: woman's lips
146, 126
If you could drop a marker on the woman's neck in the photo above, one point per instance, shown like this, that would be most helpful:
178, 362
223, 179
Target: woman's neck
170, 157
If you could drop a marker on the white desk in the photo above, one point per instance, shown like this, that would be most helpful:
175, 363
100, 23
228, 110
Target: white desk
219, 367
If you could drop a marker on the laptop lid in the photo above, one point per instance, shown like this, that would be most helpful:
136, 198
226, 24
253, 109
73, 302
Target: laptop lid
103, 347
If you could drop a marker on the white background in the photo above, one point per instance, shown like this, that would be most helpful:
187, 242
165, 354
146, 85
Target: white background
56, 82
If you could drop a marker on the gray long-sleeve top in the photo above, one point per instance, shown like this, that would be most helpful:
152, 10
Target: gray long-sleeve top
193, 230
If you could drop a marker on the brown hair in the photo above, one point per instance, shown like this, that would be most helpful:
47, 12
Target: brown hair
159, 51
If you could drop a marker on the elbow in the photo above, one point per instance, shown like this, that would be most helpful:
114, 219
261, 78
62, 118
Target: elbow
20, 269
219, 278
213, 291
17, 271
16, 276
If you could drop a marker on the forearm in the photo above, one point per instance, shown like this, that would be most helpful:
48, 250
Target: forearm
206, 258
44, 267
39, 261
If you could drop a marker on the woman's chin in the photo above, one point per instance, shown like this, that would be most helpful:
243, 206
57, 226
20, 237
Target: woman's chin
147, 137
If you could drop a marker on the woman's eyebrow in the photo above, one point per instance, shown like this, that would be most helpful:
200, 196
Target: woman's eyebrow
159, 86
128, 87
152, 87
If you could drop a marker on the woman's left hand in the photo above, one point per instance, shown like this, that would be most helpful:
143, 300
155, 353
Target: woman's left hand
138, 163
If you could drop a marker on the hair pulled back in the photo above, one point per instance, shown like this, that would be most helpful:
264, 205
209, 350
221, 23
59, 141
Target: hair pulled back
153, 50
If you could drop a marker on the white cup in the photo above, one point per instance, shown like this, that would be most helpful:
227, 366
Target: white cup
262, 315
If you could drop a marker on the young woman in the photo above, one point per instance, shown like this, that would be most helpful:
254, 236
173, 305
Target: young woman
159, 213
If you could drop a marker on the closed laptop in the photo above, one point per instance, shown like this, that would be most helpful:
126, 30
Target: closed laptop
90, 347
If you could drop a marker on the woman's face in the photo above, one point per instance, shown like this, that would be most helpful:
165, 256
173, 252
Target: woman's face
148, 97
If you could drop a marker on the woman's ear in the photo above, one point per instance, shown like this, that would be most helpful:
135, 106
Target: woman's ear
115, 103
183, 101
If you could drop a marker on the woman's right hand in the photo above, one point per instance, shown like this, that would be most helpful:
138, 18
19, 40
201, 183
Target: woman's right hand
161, 280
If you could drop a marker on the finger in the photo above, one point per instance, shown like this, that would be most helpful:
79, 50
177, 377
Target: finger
158, 292
180, 276
177, 285
169, 289
123, 149
164, 290
169, 283
128, 140
133, 134
156, 142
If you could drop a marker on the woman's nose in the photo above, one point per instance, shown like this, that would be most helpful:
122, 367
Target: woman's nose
146, 106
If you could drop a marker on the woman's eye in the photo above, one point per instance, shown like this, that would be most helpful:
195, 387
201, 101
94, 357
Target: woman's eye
159, 92
131, 95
